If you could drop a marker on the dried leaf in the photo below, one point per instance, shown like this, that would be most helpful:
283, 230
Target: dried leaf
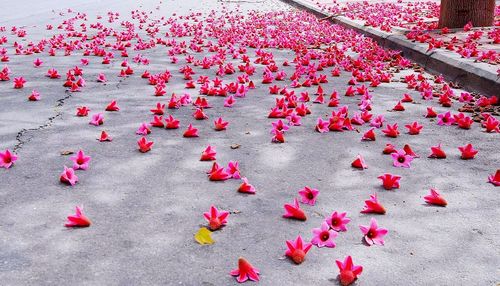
66, 152
203, 236
235, 146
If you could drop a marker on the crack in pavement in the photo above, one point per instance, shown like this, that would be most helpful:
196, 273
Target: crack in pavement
20, 137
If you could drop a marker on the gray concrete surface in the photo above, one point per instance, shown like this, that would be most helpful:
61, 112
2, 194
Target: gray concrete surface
145, 208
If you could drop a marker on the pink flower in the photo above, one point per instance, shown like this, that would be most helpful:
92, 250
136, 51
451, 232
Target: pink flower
390, 181
233, 169
208, 154
220, 124
445, 119
414, 128
101, 78
144, 145
294, 211
373, 234
19, 82
322, 126
216, 219
378, 121
144, 129
279, 126
245, 271
495, 178
338, 221
434, 198
218, 173
359, 163
229, 101
80, 161
294, 119
401, 159
7, 159
78, 219
373, 206
324, 236
369, 135
468, 152
104, 137
245, 187
437, 152
348, 271
308, 196
297, 251
190, 132
391, 130
34, 96
68, 176
97, 119
112, 106
37, 62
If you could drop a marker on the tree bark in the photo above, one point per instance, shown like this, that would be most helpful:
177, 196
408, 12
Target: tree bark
457, 13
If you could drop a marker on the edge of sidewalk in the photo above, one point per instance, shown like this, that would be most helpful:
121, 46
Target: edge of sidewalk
470, 76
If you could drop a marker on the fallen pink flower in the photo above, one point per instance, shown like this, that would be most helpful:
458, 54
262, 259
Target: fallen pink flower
348, 271
373, 234
220, 124
297, 251
68, 176
401, 159
434, 198
82, 111
216, 219
19, 82
308, 195
245, 187
80, 161
190, 132
445, 119
34, 96
468, 152
7, 159
391, 130
338, 221
437, 152
294, 211
414, 128
208, 154
359, 163
218, 173
324, 236
144, 129
369, 135
233, 169
78, 219
97, 119
104, 137
322, 126
144, 144
495, 178
390, 181
172, 123
112, 106
373, 206
245, 271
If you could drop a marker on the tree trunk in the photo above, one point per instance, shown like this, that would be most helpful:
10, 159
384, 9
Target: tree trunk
457, 13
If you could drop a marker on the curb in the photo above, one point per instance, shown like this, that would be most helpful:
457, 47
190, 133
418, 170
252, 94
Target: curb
471, 77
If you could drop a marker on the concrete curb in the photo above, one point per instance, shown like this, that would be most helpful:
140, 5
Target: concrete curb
470, 76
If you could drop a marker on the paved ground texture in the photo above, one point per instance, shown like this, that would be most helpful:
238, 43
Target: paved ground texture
145, 208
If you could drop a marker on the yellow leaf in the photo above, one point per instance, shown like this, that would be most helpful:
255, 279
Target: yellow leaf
203, 236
